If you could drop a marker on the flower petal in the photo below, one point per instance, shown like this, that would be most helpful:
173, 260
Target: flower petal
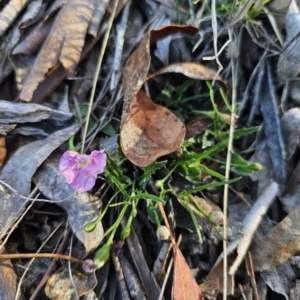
98, 162
68, 160
70, 175
83, 181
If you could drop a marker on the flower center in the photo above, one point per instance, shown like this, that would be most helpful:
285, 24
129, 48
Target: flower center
83, 164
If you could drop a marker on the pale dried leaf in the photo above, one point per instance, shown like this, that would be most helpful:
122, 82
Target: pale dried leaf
64, 43
60, 287
280, 244
289, 63
19, 170
97, 17
13, 36
31, 43
10, 12
80, 207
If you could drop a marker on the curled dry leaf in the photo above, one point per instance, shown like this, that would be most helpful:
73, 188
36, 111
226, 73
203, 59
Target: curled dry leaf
64, 43
149, 131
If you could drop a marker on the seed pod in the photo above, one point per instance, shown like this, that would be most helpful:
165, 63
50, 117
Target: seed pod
163, 233
216, 217
84, 270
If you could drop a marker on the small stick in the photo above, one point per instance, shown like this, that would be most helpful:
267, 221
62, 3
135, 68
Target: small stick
51, 266
46, 255
249, 267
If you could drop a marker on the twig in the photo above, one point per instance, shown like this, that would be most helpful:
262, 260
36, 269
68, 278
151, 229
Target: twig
70, 271
168, 272
51, 266
102, 50
46, 255
250, 271
227, 172
31, 261
214, 25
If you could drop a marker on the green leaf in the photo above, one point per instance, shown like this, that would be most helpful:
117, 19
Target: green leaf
209, 185
109, 130
149, 171
242, 167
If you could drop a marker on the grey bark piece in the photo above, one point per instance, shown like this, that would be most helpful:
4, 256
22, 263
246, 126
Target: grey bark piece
81, 208
18, 172
11, 112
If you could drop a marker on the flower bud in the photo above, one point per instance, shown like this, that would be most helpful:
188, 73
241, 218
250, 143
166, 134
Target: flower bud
216, 217
84, 270
102, 255
163, 233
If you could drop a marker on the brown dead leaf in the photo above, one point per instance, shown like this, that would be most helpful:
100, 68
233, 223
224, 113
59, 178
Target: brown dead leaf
213, 283
185, 286
280, 244
64, 43
149, 131
3, 150
146, 133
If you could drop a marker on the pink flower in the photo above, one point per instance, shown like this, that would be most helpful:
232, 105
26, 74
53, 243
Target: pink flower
80, 171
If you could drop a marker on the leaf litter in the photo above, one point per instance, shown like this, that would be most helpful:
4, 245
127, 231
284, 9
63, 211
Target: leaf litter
173, 138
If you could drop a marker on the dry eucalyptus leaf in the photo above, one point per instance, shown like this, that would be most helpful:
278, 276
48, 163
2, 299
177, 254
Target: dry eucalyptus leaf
60, 287
11, 112
149, 131
64, 43
18, 172
289, 63
280, 244
10, 12
184, 284
80, 207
